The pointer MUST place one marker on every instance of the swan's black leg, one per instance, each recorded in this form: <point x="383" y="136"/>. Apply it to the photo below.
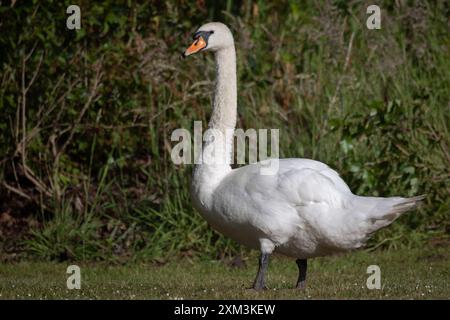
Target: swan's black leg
<point x="302" y="267"/>
<point x="263" y="264"/>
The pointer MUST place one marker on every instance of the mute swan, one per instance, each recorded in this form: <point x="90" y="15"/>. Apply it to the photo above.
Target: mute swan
<point x="305" y="210"/>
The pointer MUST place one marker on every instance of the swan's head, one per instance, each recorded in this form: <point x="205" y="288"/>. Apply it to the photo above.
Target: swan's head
<point x="212" y="36"/>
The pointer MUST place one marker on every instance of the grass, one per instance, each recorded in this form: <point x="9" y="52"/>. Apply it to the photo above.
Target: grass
<point x="405" y="274"/>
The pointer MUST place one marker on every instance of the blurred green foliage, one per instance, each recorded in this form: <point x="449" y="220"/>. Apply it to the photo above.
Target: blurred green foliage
<point x="87" y="115"/>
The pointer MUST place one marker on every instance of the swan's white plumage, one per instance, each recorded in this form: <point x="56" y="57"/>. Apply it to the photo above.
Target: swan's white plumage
<point x="304" y="210"/>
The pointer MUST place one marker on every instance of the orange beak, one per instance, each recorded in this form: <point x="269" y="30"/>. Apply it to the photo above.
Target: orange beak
<point x="195" y="47"/>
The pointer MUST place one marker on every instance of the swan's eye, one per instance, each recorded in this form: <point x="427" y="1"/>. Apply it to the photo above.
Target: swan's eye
<point x="204" y="34"/>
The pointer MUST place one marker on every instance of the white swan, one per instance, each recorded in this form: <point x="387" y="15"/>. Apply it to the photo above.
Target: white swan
<point x="305" y="210"/>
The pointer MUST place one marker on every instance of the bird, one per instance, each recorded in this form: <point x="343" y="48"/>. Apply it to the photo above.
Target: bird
<point x="303" y="210"/>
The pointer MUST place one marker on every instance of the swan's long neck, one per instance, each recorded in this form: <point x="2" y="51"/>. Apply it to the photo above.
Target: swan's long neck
<point x="225" y="95"/>
<point x="216" y="153"/>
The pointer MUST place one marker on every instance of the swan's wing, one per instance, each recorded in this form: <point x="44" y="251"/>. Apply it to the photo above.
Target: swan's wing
<point x="304" y="198"/>
<point x="298" y="182"/>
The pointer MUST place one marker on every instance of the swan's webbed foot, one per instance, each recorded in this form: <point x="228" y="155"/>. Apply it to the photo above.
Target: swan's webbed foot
<point x="302" y="267"/>
<point x="259" y="283"/>
<point x="300" y="285"/>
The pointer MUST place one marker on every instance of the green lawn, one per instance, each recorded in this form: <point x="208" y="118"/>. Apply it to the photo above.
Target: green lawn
<point x="405" y="274"/>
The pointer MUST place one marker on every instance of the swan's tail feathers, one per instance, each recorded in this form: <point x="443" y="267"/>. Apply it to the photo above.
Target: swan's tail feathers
<point x="384" y="211"/>
<point x="407" y="204"/>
